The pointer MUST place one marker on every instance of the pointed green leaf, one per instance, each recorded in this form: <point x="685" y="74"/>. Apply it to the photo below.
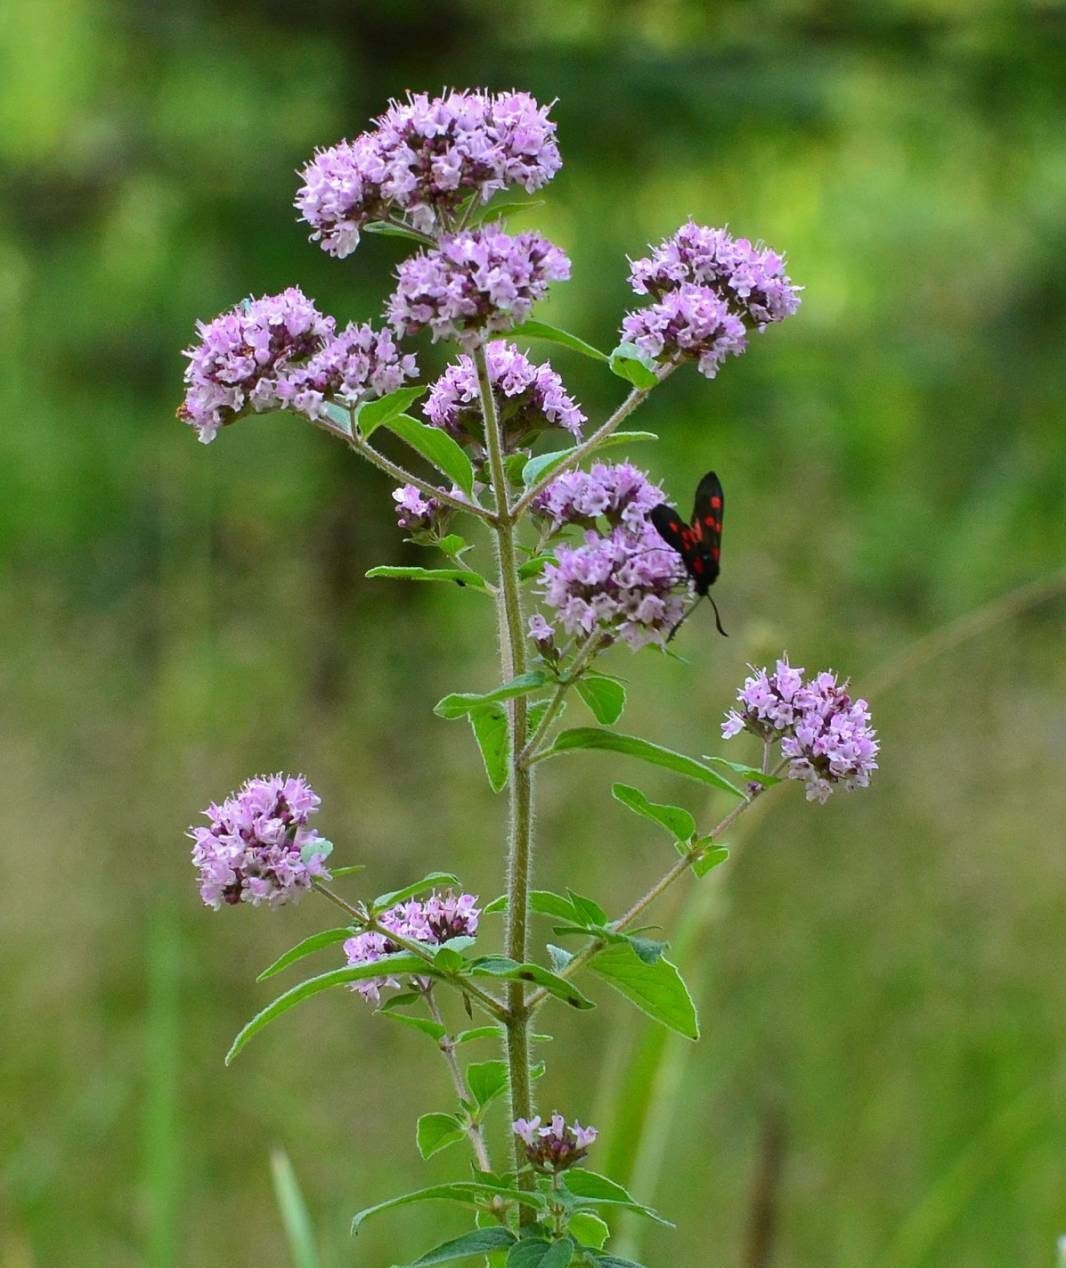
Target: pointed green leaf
<point x="560" y="959"/>
<point x="429" y="881"/>
<point x="543" y="464"/>
<point x="589" y="913"/>
<point x="398" y="572"/>
<point x="373" y="414"/>
<point x="677" y="821"/>
<point x="613" y="1261"/>
<point x="294" y="1216"/>
<point x="427" y="1027"/>
<point x="350" y="870"/>
<point x="591" y="737"/>
<point x="320" y="848"/>
<point x="402" y="962"/>
<point x="467" y="1192"/>
<point x="497" y="905"/>
<point x="487" y="1080"/>
<point x="386" y="230"/>
<point x="459" y="703"/>
<point x="629" y="363"/>
<point x="591" y="1188"/>
<point x="545" y="903"/>
<point x="648" y="949"/>
<point x="478" y="1032"/>
<point x="436" y="1132"/>
<point x="502" y="967"/>
<point x="535" y="1252"/>
<point x="709" y="861"/>
<point x="481" y="1241"/>
<point x="437" y="447"/>
<point x="541" y="330"/>
<point x="535" y="565"/>
<point x="656" y="988"/>
<point x="589" y="1229"/>
<point x="606" y="697"/>
<point x="327" y="938"/>
<point x="503" y="209"/>
<point x="491" y="731"/>
<point x="748" y="772"/>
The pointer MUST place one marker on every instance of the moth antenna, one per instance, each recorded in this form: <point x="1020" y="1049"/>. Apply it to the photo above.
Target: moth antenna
<point x="684" y="618"/>
<point x="717" y="618"/>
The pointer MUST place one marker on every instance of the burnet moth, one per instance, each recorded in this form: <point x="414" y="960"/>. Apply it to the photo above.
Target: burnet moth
<point x="699" y="543"/>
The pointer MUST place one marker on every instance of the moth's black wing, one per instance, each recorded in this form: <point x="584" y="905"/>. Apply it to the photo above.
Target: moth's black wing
<point x="706" y="530"/>
<point x="670" y="527"/>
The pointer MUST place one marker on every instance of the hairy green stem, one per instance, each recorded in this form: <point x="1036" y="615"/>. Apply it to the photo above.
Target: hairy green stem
<point x="446" y="1044"/>
<point x="581" y="663"/>
<point x="520" y="816"/>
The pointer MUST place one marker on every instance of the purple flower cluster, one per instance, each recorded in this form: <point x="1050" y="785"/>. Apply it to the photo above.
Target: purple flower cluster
<point x="619" y="492"/>
<point x="529" y="397"/>
<point x="825" y="735"/>
<point x="707" y="287"/>
<point x="474" y="284"/>
<point x="280" y="352"/>
<point x="415" y="513"/>
<point x="423" y="158"/>
<point x="556" y="1147"/>
<point x="622" y="579"/>
<point x="259" y="848"/>
<point x="433" y="921"/>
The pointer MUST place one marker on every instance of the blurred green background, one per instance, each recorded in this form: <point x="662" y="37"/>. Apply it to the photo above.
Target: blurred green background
<point x="884" y="976"/>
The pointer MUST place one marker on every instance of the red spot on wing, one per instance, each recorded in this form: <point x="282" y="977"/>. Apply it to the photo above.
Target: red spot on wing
<point x="697" y="565"/>
<point x="715" y="553"/>
<point x="716" y="502"/>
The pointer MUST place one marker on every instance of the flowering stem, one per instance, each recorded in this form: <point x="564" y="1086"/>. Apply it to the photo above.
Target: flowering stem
<point x="406" y="477"/>
<point x="447" y="1047"/>
<point x="363" y="920"/>
<point x="592" y="646"/>
<point x="519" y="848"/>
<point x="657" y="890"/>
<point x="635" y="398"/>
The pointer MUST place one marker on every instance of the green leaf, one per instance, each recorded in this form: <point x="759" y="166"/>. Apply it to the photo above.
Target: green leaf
<point x="327" y="938"/>
<point x="338" y="872"/>
<point x="432" y="1028"/>
<point x="468" y="1192"/>
<point x="560" y="959"/>
<point x="400" y="1001"/>
<point x="535" y="715"/>
<point x="591" y="737"/>
<point x="589" y="1187"/>
<point x="612" y="1261"/>
<point x="541" y="330"/>
<point x="492" y="734"/>
<point x="676" y="820"/>
<point x="589" y="1229"/>
<point x="535" y="565"/>
<point x="656" y="989"/>
<point x="320" y="848"/>
<point x="545" y="903"/>
<point x="437" y="447"/>
<point x="648" y="949"/>
<point x="487" y="1080"/>
<point x="503" y="209"/>
<point x="709" y="861"/>
<point x="339" y="415"/>
<point x="452" y="544"/>
<point x="461" y="576"/>
<point x="748" y="772"/>
<point x="606" y="697"/>
<point x="429" y="881"/>
<point x="293" y="1210"/>
<point x="460" y="703"/>
<point x="534" y="1252"/>
<point x="386" y="230"/>
<point x="589" y="913"/>
<point x="543" y="464"/>
<point x="496" y="906"/>
<point x="436" y="1132"/>
<point x="481" y="1241"/>
<point x="402" y="962"/>
<point x="502" y="967"/>
<point x="478" y="1032"/>
<point x="629" y="363"/>
<point x="373" y="414"/>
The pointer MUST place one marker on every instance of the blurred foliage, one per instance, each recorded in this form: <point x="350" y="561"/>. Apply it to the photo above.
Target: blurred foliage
<point x="886" y="973"/>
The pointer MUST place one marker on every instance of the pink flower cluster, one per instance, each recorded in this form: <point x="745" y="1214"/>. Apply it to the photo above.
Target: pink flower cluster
<point x="415" y="513"/>
<point x="557" y="1146"/>
<point x="622" y="580"/>
<point x="433" y="921"/>
<point x="259" y="848"/>
<point x="707" y="288"/>
<point x="422" y="159"/>
<point x="280" y="352"/>
<point x="825" y="735"/>
<point x="529" y="397"/>
<point x="619" y="492"/>
<point x="474" y="284"/>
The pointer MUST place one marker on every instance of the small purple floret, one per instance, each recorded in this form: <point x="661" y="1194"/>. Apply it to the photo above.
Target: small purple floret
<point x="825" y="735"/>
<point x="556" y="1147"/>
<point x="259" y="848"/>
<point x="474" y="284"/>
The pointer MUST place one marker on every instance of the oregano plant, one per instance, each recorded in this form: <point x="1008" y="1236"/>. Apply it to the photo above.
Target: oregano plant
<point x="585" y="560"/>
